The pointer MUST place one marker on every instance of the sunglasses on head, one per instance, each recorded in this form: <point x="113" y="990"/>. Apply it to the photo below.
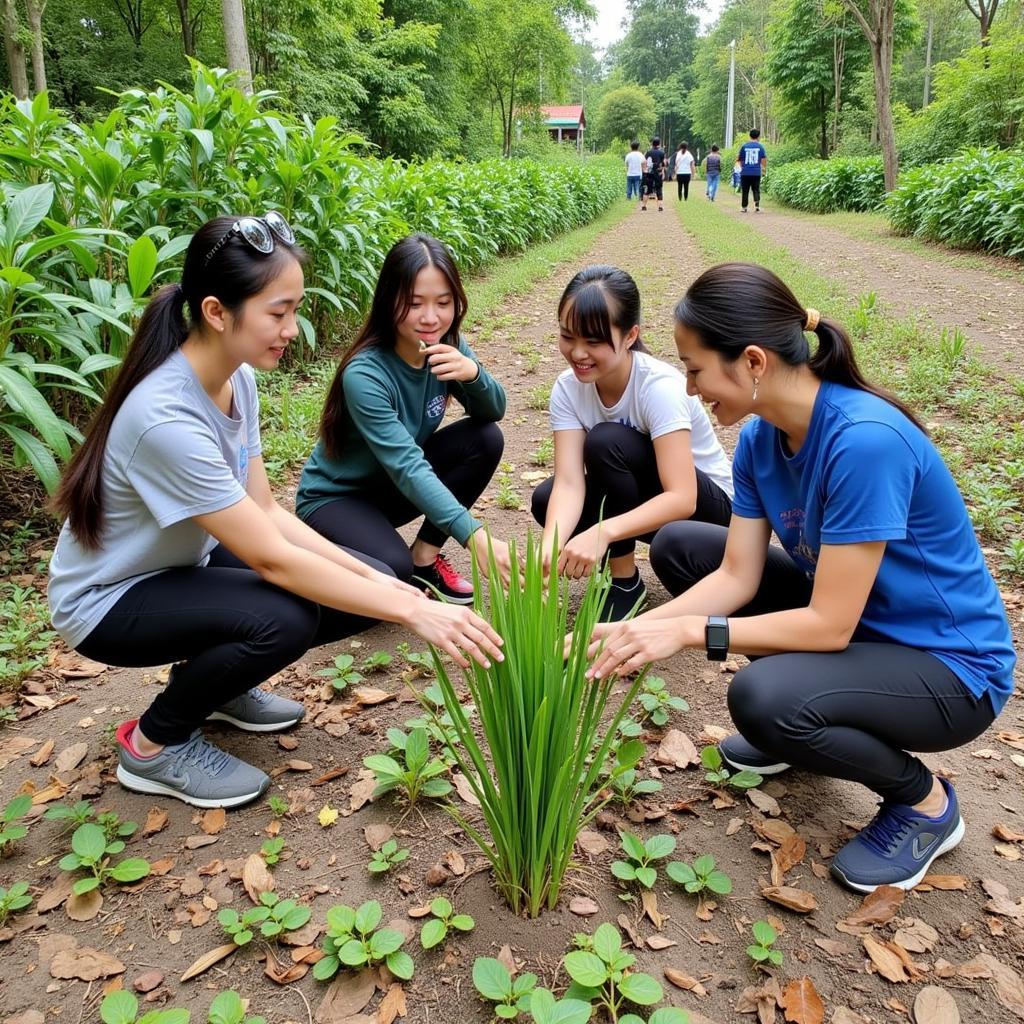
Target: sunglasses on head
<point x="257" y="232"/>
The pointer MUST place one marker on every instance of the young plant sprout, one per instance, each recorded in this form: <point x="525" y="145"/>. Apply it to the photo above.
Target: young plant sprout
<point x="639" y="867"/>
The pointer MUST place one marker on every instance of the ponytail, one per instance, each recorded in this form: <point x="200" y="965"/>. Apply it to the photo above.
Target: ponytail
<point x="233" y="272"/>
<point x="733" y="303"/>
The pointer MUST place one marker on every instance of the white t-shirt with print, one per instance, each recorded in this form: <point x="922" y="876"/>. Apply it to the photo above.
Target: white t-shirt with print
<point x="634" y="163"/>
<point x="684" y="163"/>
<point x="654" y="403"/>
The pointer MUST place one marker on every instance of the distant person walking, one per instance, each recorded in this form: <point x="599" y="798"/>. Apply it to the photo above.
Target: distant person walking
<point x="712" y="173"/>
<point x="753" y="160"/>
<point x="634" y="170"/>
<point x="736" y="169"/>
<point x="684" y="171"/>
<point x="656" y="158"/>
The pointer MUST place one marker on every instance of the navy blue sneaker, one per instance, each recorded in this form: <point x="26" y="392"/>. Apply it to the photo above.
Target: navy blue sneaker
<point x="898" y="847"/>
<point x="740" y="755"/>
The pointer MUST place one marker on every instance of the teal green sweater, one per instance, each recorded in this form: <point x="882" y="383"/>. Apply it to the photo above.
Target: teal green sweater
<point x="391" y="409"/>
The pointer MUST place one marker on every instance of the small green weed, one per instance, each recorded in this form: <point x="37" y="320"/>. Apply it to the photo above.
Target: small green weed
<point x="384" y="859"/>
<point x="274" y="916"/>
<point x="641" y="857"/>
<point x="952" y="347"/>
<point x="376" y="662"/>
<point x="538" y="397"/>
<point x="544" y="453"/>
<point x="718" y="775"/>
<point x="354" y="941"/>
<point x="279" y="807"/>
<point x="25" y="636"/>
<point x="419" y="774"/>
<point x="341" y="673"/>
<point x="508" y="494"/>
<point x="657" y="702"/>
<point x="272" y="849"/>
<point x="13" y="899"/>
<point x="443" y="920"/>
<point x="10" y="833"/>
<point x="91" y="851"/>
<point x="628" y="787"/>
<point x="493" y="981"/>
<point x="760" y="950"/>
<point x="702" y="875"/>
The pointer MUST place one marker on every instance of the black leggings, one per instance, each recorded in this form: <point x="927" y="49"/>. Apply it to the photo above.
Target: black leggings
<point x="850" y="714"/>
<point x="463" y="455"/>
<point x="622" y="471"/>
<point x="229" y="629"/>
<point x="683" y="186"/>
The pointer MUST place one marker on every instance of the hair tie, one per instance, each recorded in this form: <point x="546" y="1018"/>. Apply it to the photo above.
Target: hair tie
<point x="813" y="319"/>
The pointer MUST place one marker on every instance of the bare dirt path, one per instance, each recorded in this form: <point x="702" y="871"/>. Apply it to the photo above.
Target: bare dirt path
<point x="166" y="922"/>
<point x="987" y="303"/>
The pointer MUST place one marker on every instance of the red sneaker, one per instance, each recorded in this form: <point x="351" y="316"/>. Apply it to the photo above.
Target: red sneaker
<point x="443" y="579"/>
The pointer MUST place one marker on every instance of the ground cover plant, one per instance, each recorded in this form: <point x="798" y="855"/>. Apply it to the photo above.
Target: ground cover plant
<point x="545" y="736"/>
<point x="354" y="940"/>
<point x="824" y="186"/>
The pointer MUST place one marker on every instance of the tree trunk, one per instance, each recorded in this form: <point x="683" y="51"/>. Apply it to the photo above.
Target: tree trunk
<point x="236" y="43"/>
<point x="36" y="8"/>
<point x="928" y="60"/>
<point x="188" y="41"/>
<point x="823" y="107"/>
<point x="838" y="64"/>
<point x="15" y="51"/>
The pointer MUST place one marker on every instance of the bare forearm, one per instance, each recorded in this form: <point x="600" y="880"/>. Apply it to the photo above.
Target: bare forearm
<point x="719" y="593"/>
<point x="564" y="508"/>
<point x="795" y="629"/>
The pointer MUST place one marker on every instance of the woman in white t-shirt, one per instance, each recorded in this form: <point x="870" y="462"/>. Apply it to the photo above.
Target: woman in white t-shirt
<point x="627" y="437"/>
<point x="684" y="170"/>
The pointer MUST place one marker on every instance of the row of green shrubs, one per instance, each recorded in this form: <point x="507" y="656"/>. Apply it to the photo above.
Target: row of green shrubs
<point x="94" y="216"/>
<point x="972" y="200"/>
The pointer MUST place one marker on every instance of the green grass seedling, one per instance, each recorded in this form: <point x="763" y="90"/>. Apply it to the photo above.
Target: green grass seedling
<point x="700" y="876"/>
<point x="341" y="674"/>
<point x="91" y="851"/>
<point x="642" y="855"/>
<point x="493" y="982"/>
<point x="13" y="899"/>
<point x="760" y="950"/>
<point x="416" y="777"/>
<point x="82" y="811"/>
<point x="354" y="941"/>
<point x="10" y="832"/>
<point x="718" y="775"/>
<point x="657" y="702"/>
<point x="544" y="453"/>
<point x="443" y="921"/>
<point x="384" y="859"/>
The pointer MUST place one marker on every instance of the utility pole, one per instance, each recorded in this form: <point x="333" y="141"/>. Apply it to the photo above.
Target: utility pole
<point x="729" y="101"/>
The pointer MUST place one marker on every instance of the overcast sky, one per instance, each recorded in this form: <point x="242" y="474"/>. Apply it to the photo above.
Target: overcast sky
<point x="608" y="26"/>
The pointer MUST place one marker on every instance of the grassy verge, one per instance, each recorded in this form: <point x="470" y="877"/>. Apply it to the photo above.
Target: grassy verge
<point x="291" y="401"/>
<point x="974" y="414"/>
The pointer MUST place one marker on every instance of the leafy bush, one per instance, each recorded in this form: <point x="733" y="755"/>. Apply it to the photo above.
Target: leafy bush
<point x="824" y="186"/>
<point x="974" y="200"/>
<point x="540" y="780"/>
<point x="96" y="215"/>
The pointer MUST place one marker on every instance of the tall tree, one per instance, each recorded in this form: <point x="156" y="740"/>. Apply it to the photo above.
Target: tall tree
<point x="36" y="9"/>
<point x="236" y="42"/>
<point x="190" y="19"/>
<point x="15" y="50"/>
<point x="136" y="18"/>
<point x="984" y="12"/>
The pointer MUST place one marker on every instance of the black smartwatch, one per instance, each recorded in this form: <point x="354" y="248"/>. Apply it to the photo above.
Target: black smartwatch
<point x="716" y="637"/>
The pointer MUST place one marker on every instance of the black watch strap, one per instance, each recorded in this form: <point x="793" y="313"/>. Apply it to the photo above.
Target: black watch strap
<point x="716" y="637"/>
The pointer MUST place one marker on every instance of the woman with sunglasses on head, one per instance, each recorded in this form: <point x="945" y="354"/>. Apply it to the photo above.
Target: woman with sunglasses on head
<point x="174" y="548"/>
<point x="877" y="628"/>
<point x="383" y="459"/>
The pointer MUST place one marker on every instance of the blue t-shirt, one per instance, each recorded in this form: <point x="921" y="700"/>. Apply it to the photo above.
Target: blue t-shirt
<point x="866" y="473"/>
<point x="750" y="156"/>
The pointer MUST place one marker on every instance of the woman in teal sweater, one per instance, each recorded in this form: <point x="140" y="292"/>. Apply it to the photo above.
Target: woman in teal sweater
<point x="381" y="460"/>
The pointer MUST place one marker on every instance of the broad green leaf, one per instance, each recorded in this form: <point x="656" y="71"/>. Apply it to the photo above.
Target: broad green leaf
<point x="711" y="758"/>
<point x="640" y="988"/>
<point x="368" y="916"/>
<point x="130" y="870"/>
<point x="623" y="870"/>
<point x="382" y="765"/>
<point x="680" y="872"/>
<point x="386" y="941"/>
<point x="433" y="933"/>
<point x="26" y="210"/>
<point x="436" y="787"/>
<point x="353" y="953"/>
<point x="746" y="779"/>
<point x="720" y="883"/>
<point x="660" y="846"/>
<point x="633" y="846"/>
<point x="172" y="1016"/>
<point x="607" y="942"/>
<point x="586" y="968"/>
<point x="491" y="978"/>
<point x="764" y="932"/>
<point x="227" y="1008"/>
<point x="142" y="258"/>
<point x="506" y="1012"/>
<point x="463" y="922"/>
<point x="441" y="907"/>
<point x="119" y="1008"/>
<point x="630" y="753"/>
<point x="326" y="968"/>
<point x="417" y="750"/>
<point x="669" y="1015"/>
<point x="89" y="842"/>
<point x="647" y="877"/>
<point x="84" y="885"/>
<point x="22" y="395"/>
<point x="296" y="918"/>
<point x="341" y="920"/>
<point x="704" y="865"/>
<point x="401" y="965"/>
<point x="17" y="808"/>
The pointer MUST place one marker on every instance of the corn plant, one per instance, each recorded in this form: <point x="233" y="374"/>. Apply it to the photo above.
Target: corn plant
<point x="416" y="777"/>
<point x="341" y="674"/>
<point x="353" y="940"/>
<point x="639" y="865"/>
<point x="700" y="876"/>
<point x="91" y="851"/>
<point x="384" y="859"/>
<point x="657" y="702"/>
<point x="546" y="734"/>
<point x="760" y="950"/>
<point x="443" y="920"/>
<point x="718" y="774"/>
<point x="10" y="833"/>
<point x="13" y="899"/>
<point x="493" y="981"/>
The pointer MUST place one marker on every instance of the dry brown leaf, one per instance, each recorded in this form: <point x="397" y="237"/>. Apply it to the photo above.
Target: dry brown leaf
<point x="1007" y="983"/>
<point x="213" y="821"/>
<point x="773" y="830"/>
<point x="888" y="963"/>
<point x="592" y="843"/>
<point x="455" y="862"/>
<point x="370" y="695"/>
<point x="628" y="927"/>
<point x="13" y="747"/>
<point x="82" y="668"/>
<point x="935" y="1005"/>
<point x="288" y="742"/>
<point x="256" y="878"/>
<point x="787" y="856"/>
<point x="507" y="960"/>
<point x="57" y="894"/>
<point x="198" y="842"/>
<point x="71" y="757"/>
<point x="878" y="907"/>
<point x="57" y="790"/>
<point x="464" y="789"/>
<point x="284" y="974"/>
<point x="801" y="1003"/>
<point x="156" y="821"/>
<point x="392" y="1005"/>
<point x="42" y="755"/>
<point x="659" y="942"/>
<point x="649" y="900"/>
<point x="84" y="907"/>
<point x="945" y="883"/>
<point x="207" y="960"/>
<point x="1000" y="901"/>
<point x="973" y="970"/>
<point x="85" y="964"/>
<point x="582" y="906"/>
<point x="844" y="1015"/>
<point x="148" y="980"/>
<point x="162" y="866"/>
<point x="361" y="791"/>
<point x="377" y="835"/>
<point x="685" y="982"/>
<point x="764" y="803"/>
<point x="347" y="995"/>
<point x="1011" y="738"/>
<point x="735" y="824"/>
<point x="832" y="947"/>
<point x="676" y="749"/>
<point x="1007" y="834"/>
<point x="293" y="764"/>
<point x="917" y="937"/>
<point x="798" y="900"/>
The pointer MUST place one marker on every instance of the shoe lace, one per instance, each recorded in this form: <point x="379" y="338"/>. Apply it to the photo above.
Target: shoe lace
<point x="258" y="694"/>
<point x="886" y="829"/>
<point x="446" y="571"/>
<point x="203" y="755"/>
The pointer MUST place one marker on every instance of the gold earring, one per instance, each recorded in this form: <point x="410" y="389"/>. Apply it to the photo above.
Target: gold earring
<point x="754" y="396"/>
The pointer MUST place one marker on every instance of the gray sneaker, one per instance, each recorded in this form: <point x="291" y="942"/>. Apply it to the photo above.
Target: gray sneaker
<point x="195" y="771"/>
<point x="259" y="710"/>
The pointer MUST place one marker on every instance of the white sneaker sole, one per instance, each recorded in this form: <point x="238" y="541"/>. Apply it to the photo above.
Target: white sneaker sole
<point x="238" y="723"/>
<point x="953" y="840"/>
<point x="141" y="785"/>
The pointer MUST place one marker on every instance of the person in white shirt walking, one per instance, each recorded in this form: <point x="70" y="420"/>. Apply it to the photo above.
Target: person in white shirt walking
<point x="684" y="170"/>
<point x="634" y="170"/>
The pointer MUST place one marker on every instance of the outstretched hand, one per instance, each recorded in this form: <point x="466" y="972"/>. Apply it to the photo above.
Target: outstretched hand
<point x="456" y="629"/>
<point x="628" y="646"/>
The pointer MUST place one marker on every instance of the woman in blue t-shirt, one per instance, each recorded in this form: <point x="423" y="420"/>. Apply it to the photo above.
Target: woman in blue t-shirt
<point x="877" y="627"/>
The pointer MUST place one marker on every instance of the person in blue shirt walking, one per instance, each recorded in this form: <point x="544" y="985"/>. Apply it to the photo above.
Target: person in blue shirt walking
<point x="876" y="628"/>
<point x="753" y="163"/>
